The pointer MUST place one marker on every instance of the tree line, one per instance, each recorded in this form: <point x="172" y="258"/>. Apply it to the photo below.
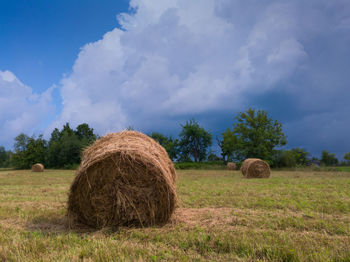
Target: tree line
<point x="63" y="150"/>
<point x="253" y="134"/>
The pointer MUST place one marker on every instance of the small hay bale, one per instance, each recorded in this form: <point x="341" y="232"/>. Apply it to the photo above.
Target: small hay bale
<point x="38" y="167"/>
<point x="124" y="179"/>
<point x="231" y="166"/>
<point x="255" y="168"/>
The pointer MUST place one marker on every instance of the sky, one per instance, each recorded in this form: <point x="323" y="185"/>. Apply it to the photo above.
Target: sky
<point x="153" y="65"/>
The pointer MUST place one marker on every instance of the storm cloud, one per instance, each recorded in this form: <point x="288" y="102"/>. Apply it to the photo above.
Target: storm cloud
<point x="172" y="60"/>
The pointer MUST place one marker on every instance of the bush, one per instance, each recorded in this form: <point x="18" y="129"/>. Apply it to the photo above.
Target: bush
<point x="200" y="165"/>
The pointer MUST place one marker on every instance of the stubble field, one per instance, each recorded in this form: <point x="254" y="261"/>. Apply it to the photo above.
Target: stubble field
<point x="293" y="216"/>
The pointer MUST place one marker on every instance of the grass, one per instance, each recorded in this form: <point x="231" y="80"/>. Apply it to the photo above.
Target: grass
<point x="218" y="165"/>
<point x="344" y="168"/>
<point x="293" y="216"/>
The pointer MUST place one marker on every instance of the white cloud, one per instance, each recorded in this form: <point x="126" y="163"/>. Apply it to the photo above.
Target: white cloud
<point x="174" y="58"/>
<point x="21" y="110"/>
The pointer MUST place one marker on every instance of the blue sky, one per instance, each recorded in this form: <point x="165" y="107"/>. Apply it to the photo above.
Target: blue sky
<point x="40" y="40"/>
<point x="155" y="64"/>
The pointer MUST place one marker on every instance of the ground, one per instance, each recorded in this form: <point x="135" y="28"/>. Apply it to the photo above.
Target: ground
<point x="292" y="216"/>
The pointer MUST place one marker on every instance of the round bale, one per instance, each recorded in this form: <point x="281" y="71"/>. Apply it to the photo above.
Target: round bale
<point x="38" y="167"/>
<point x="255" y="168"/>
<point x="231" y="166"/>
<point x="124" y="179"/>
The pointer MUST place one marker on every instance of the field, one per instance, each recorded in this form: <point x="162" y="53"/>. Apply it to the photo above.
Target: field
<point x="344" y="168"/>
<point x="293" y="216"/>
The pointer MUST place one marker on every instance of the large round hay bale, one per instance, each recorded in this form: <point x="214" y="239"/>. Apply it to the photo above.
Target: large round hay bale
<point x="124" y="179"/>
<point x="231" y="166"/>
<point x="255" y="168"/>
<point x="38" y="167"/>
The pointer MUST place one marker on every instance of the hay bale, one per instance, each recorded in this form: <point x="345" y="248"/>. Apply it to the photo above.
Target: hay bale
<point x="38" y="167"/>
<point x="124" y="179"/>
<point x="231" y="166"/>
<point x="255" y="168"/>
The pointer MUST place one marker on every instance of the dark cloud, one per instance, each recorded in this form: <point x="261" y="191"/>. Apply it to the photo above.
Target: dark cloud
<point x="180" y="59"/>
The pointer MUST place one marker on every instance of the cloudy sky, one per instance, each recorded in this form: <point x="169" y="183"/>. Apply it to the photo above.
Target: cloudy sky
<point x="154" y="64"/>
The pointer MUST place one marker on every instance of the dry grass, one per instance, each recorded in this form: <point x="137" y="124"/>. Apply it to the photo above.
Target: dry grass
<point x="255" y="168"/>
<point x="293" y="216"/>
<point x="38" y="167"/>
<point x="231" y="166"/>
<point x="124" y="179"/>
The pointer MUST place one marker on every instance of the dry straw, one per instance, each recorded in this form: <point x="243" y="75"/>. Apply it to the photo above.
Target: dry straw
<point x="231" y="166"/>
<point x="255" y="168"/>
<point x="38" y="167"/>
<point x="124" y="179"/>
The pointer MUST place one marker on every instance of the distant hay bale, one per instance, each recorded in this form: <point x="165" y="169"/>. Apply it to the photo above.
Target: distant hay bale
<point x="124" y="179"/>
<point x="231" y="166"/>
<point x="38" y="167"/>
<point x="255" y="168"/>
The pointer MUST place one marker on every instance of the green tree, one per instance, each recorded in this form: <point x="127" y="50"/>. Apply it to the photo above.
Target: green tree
<point x="254" y="134"/>
<point x="194" y="141"/>
<point x="290" y="158"/>
<point x="170" y="144"/>
<point x="85" y="134"/>
<point x="28" y="151"/>
<point x="19" y="159"/>
<point x="21" y="142"/>
<point x="4" y="157"/>
<point x="65" y="146"/>
<point x="37" y="150"/>
<point x="284" y="159"/>
<point x="228" y="145"/>
<point x="347" y="157"/>
<point x="328" y="159"/>
<point x="212" y="157"/>
<point x="301" y="156"/>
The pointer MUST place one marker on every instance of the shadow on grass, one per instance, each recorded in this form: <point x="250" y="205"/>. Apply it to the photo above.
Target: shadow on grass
<point x="57" y="224"/>
<point x="185" y="217"/>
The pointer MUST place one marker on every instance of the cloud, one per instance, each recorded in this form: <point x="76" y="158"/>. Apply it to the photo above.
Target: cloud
<point x="321" y="131"/>
<point x="175" y="59"/>
<point x="21" y="110"/>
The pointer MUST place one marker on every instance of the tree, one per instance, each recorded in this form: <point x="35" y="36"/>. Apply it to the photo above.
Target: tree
<point x="290" y="158"/>
<point x="37" y="150"/>
<point x="284" y="159"/>
<point x="65" y="146"/>
<point x="170" y="144"/>
<point x="21" y="142"/>
<point x="194" y="141"/>
<point x="19" y="157"/>
<point x="254" y="135"/>
<point x="85" y="134"/>
<point x="28" y="151"/>
<point x="228" y="145"/>
<point x="212" y="157"/>
<point x="4" y="157"/>
<point x="347" y="157"/>
<point x="328" y="159"/>
<point x="301" y="156"/>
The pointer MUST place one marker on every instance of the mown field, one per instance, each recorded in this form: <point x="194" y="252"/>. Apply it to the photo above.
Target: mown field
<point x="293" y="216"/>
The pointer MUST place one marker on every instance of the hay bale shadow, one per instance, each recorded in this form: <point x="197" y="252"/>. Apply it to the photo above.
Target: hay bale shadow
<point x="54" y="224"/>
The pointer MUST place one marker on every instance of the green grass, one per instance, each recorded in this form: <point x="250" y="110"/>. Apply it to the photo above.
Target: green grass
<point x="218" y="165"/>
<point x="293" y="216"/>
<point x="344" y="168"/>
